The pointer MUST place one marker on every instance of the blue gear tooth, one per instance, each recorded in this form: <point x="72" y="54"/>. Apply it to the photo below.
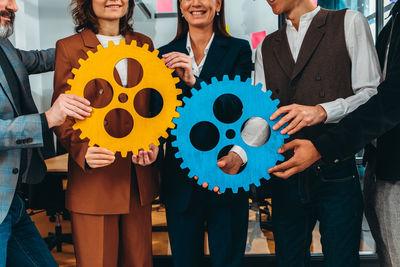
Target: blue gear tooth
<point x="234" y="190"/>
<point x="214" y="80"/>
<point x="174" y="143"/>
<point x="194" y="91"/>
<point x="175" y="121"/>
<point x="179" y="110"/>
<point x="248" y="80"/>
<point x="174" y="132"/>
<point x="225" y="78"/>
<point x="222" y="190"/>
<point x="281" y="158"/>
<point x="246" y="187"/>
<point x="203" y="84"/>
<point x="259" y="86"/>
<point x="269" y="93"/>
<point x="185" y="99"/>
<point x="183" y="165"/>
<point x="203" y="163"/>
<point x="276" y="102"/>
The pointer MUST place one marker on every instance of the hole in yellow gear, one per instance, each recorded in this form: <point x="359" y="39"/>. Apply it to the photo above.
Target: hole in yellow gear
<point x="124" y="64"/>
<point x="123" y="98"/>
<point x="118" y="123"/>
<point x="144" y="96"/>
<point x="99" y="92"/>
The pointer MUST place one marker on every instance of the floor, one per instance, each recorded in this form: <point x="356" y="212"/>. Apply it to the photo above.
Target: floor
<point x="259" y="241"/>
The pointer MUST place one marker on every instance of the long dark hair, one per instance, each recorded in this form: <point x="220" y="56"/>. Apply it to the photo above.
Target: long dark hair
<point x="219" y="24"/>
<point x="84" y="17"/>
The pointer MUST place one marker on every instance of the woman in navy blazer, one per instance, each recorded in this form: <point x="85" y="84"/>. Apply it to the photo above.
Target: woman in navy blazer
<point x="203" y="49"/>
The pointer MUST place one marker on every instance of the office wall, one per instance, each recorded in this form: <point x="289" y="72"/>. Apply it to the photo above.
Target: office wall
<point x="40" y="23"/>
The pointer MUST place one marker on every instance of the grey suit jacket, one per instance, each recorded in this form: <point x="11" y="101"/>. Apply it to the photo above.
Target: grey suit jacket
<point x="23" y="131"/>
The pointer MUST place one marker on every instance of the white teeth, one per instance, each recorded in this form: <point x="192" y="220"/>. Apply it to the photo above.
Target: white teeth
<point x="197" y="13"/>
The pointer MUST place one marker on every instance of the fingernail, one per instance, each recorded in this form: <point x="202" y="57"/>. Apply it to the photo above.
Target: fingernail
<point x="280" y="150"/>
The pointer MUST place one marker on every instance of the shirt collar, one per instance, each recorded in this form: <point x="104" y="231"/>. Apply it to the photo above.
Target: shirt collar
<point x="189" y="45"/>
<point x="305" y="17"/>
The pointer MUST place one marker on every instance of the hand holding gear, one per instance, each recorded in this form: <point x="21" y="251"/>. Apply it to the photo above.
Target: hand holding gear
<point x="145" y="131"/>
<point x="203" y="162"/>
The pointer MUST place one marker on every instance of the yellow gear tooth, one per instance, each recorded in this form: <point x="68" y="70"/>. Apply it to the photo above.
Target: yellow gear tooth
<point x="157" y="143"/>
<point x="179" y="103"/>
<point x="91" y="143"/>
<point x="171" y="70"/>
<point x="145" y="46"/>
<point x="110" y="43"/>
<point x="81" y="61"/>
<point x="95" y="66"/>
<point x="176" y="80"/>
<point x="176" y="114"/>
<point x="122" y="42"/>
<point x="171" y="125"/>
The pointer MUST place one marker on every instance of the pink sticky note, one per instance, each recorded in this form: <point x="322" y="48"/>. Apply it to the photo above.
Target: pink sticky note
<point x="257" y="38"/>
<point x="315" y="2"/>
<point x="165" y="6"/>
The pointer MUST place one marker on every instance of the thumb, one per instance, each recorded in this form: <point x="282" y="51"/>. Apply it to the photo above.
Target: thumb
<point x="289" y="146"/>
<point x="221" y="163"/>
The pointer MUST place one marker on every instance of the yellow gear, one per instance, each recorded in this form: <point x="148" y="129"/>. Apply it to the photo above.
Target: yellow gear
<point x="155" y="75"/>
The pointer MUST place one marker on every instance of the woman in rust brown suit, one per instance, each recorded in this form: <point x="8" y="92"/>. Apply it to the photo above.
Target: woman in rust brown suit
<point x="109" y="196"/>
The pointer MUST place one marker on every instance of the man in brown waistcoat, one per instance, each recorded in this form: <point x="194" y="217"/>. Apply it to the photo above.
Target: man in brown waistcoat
<point x="321" y="65"/>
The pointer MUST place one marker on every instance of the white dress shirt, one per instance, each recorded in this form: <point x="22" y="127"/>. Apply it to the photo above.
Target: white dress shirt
<point x="365" y="69"/>
<point x="198" y="68"/>
<point x="122" y="66"/>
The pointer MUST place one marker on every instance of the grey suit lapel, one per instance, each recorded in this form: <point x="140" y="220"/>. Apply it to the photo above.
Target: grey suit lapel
<point x="4" y="44"/>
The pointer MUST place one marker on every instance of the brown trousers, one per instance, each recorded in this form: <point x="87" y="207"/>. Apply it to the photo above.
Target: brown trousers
<point x="114" y="240"/>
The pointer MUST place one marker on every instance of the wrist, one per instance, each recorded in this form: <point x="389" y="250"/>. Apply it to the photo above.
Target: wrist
<point x="48" y="118"/>
<point x="322" y="113"/>
<point x="192" y="82"/>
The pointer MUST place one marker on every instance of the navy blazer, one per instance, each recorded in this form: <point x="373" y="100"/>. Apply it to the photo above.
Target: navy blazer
<point x="227" y="56"/>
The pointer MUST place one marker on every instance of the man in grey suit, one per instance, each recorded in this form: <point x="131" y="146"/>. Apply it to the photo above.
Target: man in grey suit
<point x="21" y="139"/>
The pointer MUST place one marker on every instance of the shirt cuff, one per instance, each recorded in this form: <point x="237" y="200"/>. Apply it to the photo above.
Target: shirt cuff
<point x="242" y="154"/>
<point x="332" y="110"/>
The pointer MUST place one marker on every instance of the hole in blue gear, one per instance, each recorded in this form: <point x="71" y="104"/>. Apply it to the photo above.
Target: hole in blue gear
<point x="230" y="134"/>
<point x="228" y="108"/>
<point x="224" y="151"/>
<point x="259" y="125"/>
<point x="204" y="136"/>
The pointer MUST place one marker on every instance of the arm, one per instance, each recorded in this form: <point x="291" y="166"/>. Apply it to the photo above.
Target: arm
<point x="365" y="74"/>
<point x="36" y="61"/>
<point x="21" y="132"/>
<point x="68" y="137"/>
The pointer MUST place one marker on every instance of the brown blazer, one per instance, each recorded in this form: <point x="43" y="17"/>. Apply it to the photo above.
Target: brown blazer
<point x="104" y="190"/>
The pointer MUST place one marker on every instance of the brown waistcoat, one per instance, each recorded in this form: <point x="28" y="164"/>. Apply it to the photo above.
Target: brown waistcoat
<point x="322" y="72"/>
<point x="104" y="190"/>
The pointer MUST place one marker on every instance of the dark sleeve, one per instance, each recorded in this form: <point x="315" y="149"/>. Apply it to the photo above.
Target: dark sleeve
<point x="371" y="120"/>
<point x="243" y="64"/>
<point x="38" y="61"/>
<point x="45" y="125"/>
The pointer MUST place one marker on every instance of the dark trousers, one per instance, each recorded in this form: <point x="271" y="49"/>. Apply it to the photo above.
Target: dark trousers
<point x="225" y="221"/>
<point x="331" y="196"/>
<point x="20" y="241"/>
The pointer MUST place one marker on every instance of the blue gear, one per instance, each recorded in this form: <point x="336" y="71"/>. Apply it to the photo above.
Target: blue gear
<point x="203" y="164"/>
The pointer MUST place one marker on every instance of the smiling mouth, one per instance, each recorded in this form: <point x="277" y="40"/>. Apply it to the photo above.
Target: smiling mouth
<point x="113" y="6"/>
<point x="197" y="13"/>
